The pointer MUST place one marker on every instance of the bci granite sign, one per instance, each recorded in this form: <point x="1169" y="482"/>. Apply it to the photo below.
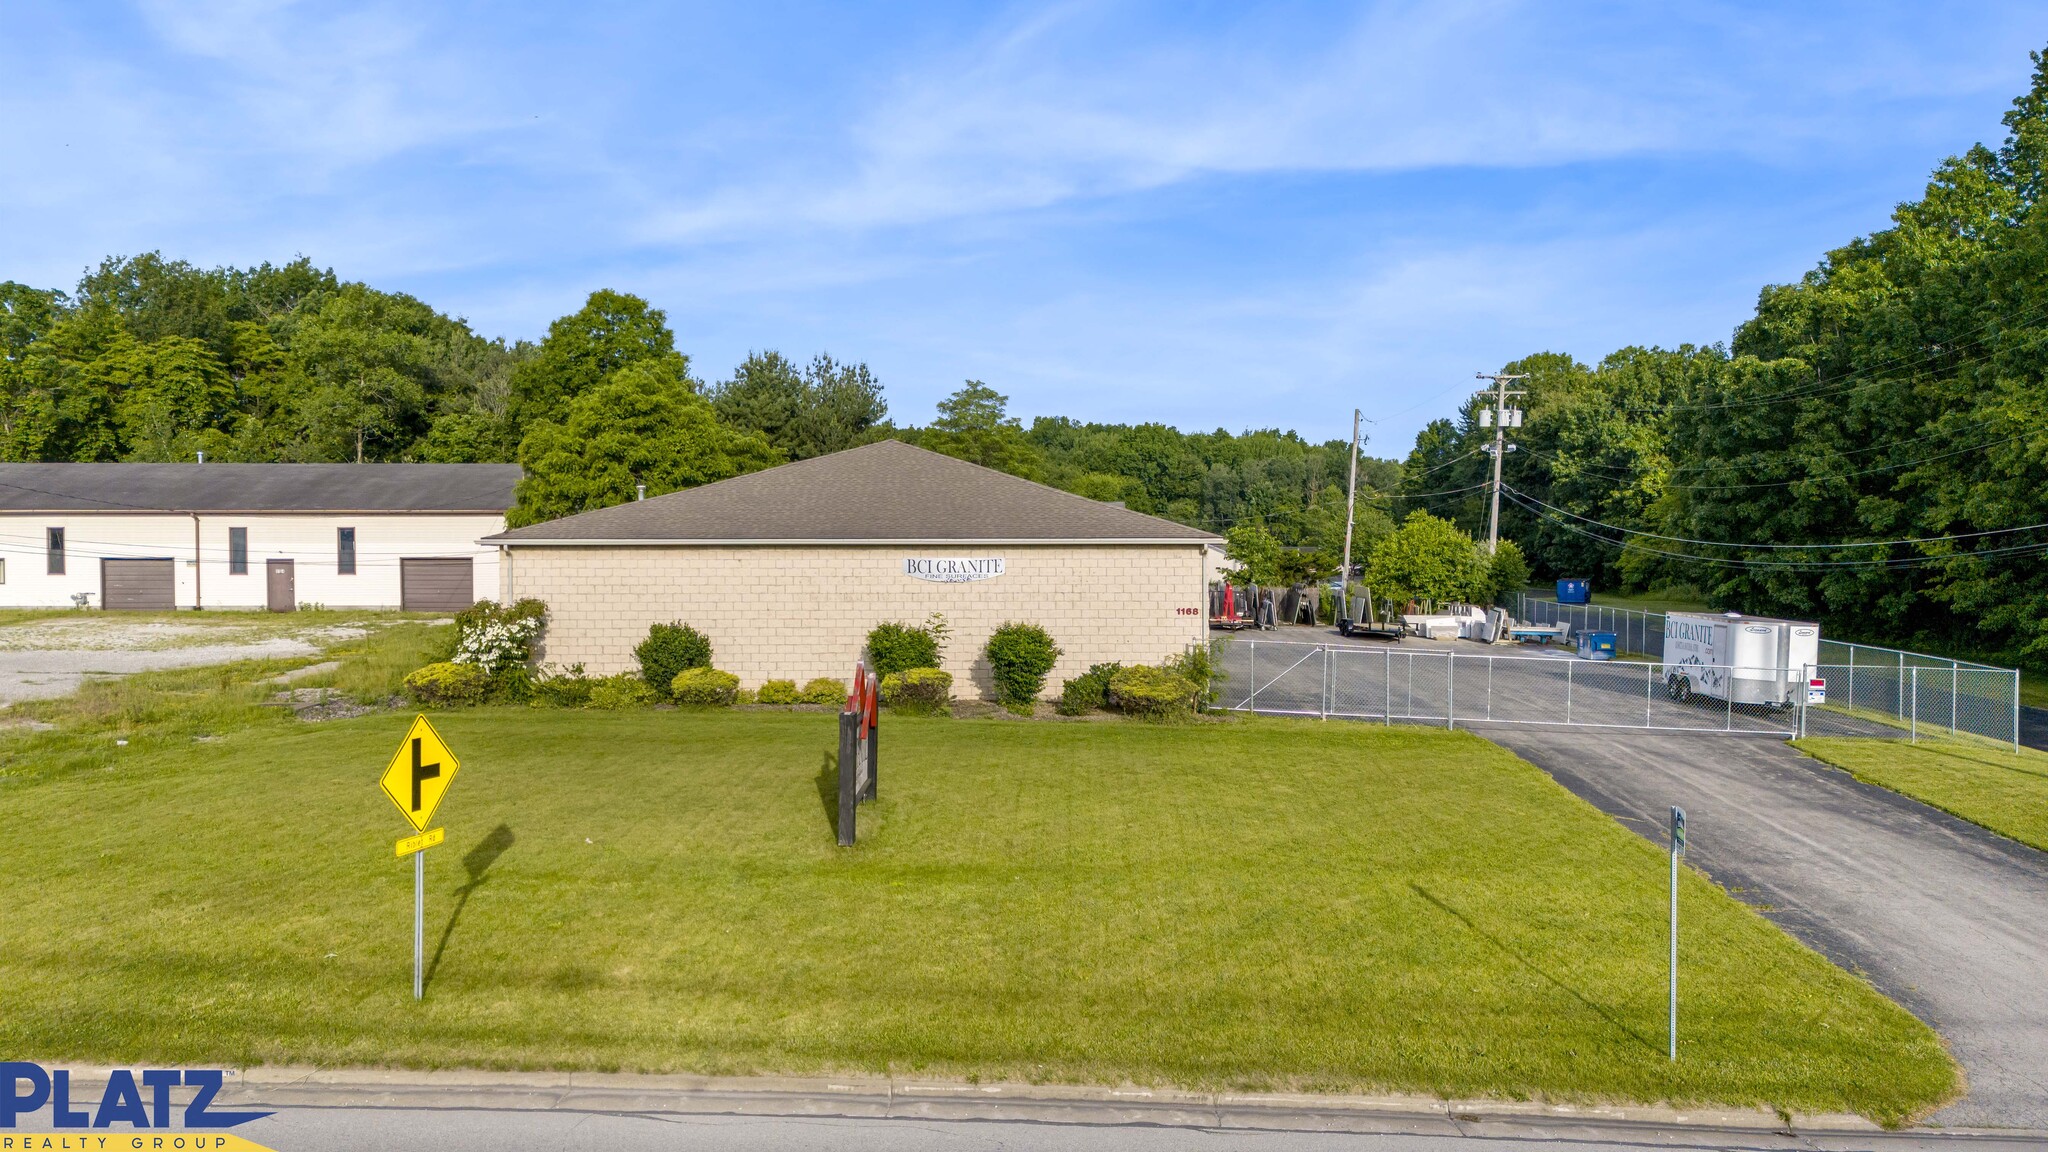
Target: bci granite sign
<point x="952" y="570"/>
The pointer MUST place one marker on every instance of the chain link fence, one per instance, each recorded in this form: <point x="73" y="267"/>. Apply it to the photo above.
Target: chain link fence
<point x="1912" y="691"/>
<point x="1413" y="684"/>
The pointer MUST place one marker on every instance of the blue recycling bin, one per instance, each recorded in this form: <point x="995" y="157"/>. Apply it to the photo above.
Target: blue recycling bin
<point x="1574" y="591"/>
<point x="1596" y="645"/>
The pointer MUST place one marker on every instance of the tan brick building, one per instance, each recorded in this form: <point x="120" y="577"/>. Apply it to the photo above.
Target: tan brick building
<point x="786" y="570"/>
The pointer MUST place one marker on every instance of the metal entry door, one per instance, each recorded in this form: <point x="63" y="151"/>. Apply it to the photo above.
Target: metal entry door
<point x="280" y="586"/>
<point x="139" y="585"/>
<point x="436" y="585"/>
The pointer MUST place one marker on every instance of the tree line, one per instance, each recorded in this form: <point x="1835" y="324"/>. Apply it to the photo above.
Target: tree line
<point x="154" y="359"/>
<point x="1869" y="449"/>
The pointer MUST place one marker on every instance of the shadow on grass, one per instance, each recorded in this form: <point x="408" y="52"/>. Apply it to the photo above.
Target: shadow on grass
<point x="477" y="862"/>
<point x="1983" y="759"/>
<point x="1538" y="969"/>
<point x="828" y="791"/>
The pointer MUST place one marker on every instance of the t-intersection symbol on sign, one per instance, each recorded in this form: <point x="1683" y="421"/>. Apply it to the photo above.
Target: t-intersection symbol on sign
<point x="421" y="773"/>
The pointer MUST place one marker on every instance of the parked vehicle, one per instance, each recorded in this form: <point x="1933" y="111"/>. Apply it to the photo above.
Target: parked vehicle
<point x="1740" y="659"/>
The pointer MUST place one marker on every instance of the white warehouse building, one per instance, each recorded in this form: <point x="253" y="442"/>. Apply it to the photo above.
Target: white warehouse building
<point x="256" y="536"/>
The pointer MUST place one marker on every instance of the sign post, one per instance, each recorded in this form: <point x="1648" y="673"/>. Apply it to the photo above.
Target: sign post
<point x="416" y="779"/>
<point x="1677" y="850"/>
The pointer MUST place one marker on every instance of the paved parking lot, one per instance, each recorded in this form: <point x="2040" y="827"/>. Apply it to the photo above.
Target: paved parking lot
<point x="1940" y="914"/>
<point x="1315" y="672"/>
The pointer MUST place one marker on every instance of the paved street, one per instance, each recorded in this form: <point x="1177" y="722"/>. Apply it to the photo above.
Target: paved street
<point x="1940" y="914"/>
<point x="800" y="1123"/>
<point x="357" y="1130"/>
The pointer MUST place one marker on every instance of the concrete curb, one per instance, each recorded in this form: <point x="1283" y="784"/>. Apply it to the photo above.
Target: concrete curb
<point x="276" y="1087"/>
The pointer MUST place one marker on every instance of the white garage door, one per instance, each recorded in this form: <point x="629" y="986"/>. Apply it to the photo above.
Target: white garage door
<point x="436" y="585"/>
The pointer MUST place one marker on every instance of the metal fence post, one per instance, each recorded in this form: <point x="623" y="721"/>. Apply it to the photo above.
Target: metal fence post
<point x="1325" y="701"/>
<point x="1852" y="677"/>
<point x="1568" y="692"/>
<point x="1900" y="714"/>
<point x="1251" y="703"/>
<point x="1388" y="714"/>
<point x="1953" y="676"/>
<point x="2015" y="711"/>
<point x="1803" y="694"/>
<point x="1728" y="691"/>
<point x="1913" y="732"/>
<point x="1451" y="691"/>
<point x="1649" y="692"/>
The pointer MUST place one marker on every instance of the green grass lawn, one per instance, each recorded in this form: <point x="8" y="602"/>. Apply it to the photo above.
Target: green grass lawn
<point x="2003" y="790"/>
<point x="1250" y="904"/>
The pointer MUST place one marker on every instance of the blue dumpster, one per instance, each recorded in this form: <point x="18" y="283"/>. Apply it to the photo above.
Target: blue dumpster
<point x="1596" y="645"/>
<point x="1574" y="591"/>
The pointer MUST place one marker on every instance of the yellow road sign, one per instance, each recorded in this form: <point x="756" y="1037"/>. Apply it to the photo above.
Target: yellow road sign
<point x="420" y="773"/>
<point x="421" y="842"/>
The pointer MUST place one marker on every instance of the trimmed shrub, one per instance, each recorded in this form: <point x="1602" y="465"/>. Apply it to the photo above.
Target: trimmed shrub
<point x="1198" y="667"/>
<point x="512" y="685"/>
<point x="1087" y="692"/>
<point x="1155" y="692"/>
<point x="563" y="688"/>
<point x="622" y="691"/>
<point x="448" y="683"/>
<point x="778" y="692"/>
<point x="918" y="691"/>
<point x="894" y="647"/>
<point x="1020" y="655"/>
<point x="825" y="690"/>
<point x="705" y="686"/>
<point x="668" y="650"/>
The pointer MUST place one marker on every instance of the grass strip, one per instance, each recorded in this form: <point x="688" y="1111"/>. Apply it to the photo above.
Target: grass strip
<point x="2002" y="790"/>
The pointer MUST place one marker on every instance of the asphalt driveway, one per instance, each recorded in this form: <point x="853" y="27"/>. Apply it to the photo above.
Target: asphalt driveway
<point x="2034" y="727"/>
<point x="1943" y="916"/>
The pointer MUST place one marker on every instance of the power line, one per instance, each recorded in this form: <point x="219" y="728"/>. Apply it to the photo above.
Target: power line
<point x="1820" y="479"/>
<point x="1791" y="565"/>
<point x="1725" y="544"/>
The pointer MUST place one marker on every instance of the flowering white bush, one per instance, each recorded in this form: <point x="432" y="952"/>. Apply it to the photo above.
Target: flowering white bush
<point x="494" y="638"/>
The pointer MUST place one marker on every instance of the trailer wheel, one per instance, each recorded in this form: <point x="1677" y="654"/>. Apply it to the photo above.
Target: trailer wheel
<point x="1684" y="693"/>
<point x="1671" y="685"/>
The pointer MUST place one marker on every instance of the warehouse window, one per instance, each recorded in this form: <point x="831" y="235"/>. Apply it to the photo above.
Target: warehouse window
<point x="238" y="551"/>
<point x="54" y="538"/>
<point x="345" y="551"/>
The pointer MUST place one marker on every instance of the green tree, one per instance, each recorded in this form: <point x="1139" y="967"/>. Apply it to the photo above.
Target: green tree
<point x="1427" y="558"/>
<point x="1254" y="554"/>
<point x="611" y="330"/>
<point x="1507" y="570"/>
<point x="826" y="407"/>
<point x="974" y="424"/>
<point x="172" y="393"/>
<point x="644" y="424"/>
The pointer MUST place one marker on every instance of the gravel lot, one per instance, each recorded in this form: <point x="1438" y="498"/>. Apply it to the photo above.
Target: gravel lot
<point x="46" y="658"/>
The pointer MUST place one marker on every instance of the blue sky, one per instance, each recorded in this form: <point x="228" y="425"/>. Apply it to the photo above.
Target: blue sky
<point x="1206" y="214"/>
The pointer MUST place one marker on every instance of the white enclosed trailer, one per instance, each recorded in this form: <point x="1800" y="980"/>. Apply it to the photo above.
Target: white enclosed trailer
<point x="1740" y="659"/>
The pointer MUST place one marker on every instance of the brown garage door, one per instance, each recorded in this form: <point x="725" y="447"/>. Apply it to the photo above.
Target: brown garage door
<point x="144" y="585"/>
<point x="436" y="585"/>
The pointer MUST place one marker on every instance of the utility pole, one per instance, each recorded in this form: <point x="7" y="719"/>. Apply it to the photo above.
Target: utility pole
<point x="1350" y="510"/>
<point x="1501" y="418"/>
